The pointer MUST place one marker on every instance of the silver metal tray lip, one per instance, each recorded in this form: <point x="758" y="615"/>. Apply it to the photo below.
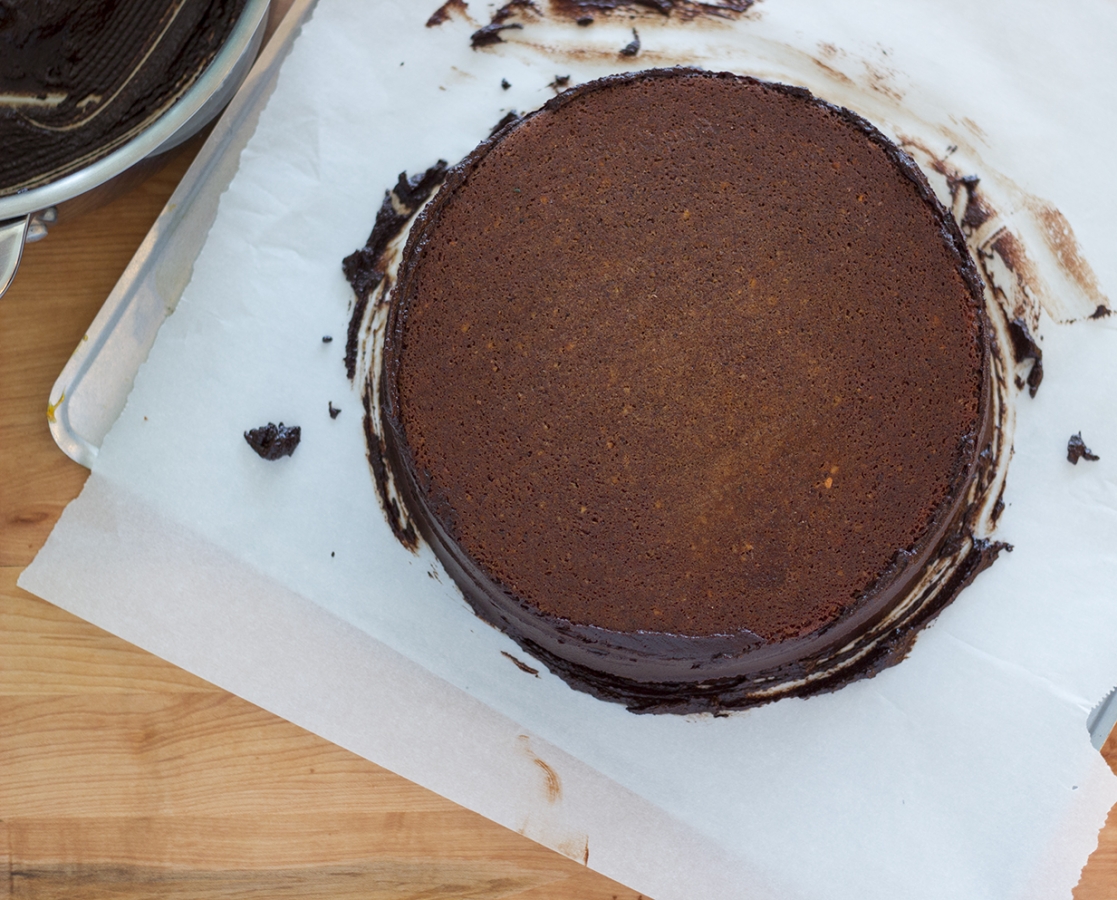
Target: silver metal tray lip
<point x="166" y="131"/>
<point x="138" y="298"/>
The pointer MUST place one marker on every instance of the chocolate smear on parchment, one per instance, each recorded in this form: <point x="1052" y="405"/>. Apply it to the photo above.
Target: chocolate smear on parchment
<point x="364" y="268"/>
<point x="443" y="12"/>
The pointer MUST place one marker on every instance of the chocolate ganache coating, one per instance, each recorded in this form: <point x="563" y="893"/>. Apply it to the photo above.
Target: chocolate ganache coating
<point x="686" y="380"/>
<point x="79" y="78"/>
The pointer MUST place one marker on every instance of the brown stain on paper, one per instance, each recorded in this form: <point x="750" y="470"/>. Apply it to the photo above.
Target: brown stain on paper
<point x="448" y="10"/>
<point x="1060" y="239"/>
<point x="552" y="784"/>
<point x="882" y="81"/>
<point x="829" y="53"/>
<point x="976" y="129"/>
<point x="542" y="828"/>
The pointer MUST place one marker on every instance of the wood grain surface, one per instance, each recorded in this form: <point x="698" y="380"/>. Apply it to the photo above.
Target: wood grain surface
<point x="123" y="776"/>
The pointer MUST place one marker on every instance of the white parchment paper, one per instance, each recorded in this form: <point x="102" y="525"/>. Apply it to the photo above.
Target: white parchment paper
<point x="964" y="772"/>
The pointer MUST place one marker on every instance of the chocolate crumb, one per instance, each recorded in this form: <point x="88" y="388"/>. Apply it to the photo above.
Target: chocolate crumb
<point x="331" y="554"/>
<point x="584" y="21"/>
<point x="1024" y="347"/>
<point x="1077" y="449"/>
<point x="522" y="666"/>
<point x="560" y="81"/>
<point x="633" y="46"/>
<point x="272" y="441"/>
<point x="1101" y="312"/>
<point x="334" y="411"/>
<point x="326" y="338"/>
<point x="505" y="83"/>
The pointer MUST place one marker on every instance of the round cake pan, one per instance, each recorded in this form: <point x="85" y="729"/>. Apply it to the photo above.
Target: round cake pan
<point x="25" y="216"/>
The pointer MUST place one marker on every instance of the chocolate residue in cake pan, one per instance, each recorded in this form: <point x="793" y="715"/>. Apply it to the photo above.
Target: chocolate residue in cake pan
<point x="364" y="268"/>
<point x="80" y="78"/>
<point x="1077" y="449"/>
<point x="273" y="441"/>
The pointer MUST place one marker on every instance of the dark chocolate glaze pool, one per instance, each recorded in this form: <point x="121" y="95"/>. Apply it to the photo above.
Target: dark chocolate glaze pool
<point x="687" y="382"/>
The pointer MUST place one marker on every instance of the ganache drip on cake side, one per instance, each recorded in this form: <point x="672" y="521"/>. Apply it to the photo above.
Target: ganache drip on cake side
<point x="686" y="380"/>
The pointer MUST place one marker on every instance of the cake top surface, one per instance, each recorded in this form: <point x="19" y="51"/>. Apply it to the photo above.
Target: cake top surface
<point x="688" y="353"/>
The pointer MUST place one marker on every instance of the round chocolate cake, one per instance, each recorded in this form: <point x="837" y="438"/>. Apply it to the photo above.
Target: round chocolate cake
<point x="686" y="382"/>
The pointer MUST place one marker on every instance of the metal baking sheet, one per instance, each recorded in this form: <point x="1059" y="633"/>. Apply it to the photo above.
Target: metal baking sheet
<point x="93" y="387"/>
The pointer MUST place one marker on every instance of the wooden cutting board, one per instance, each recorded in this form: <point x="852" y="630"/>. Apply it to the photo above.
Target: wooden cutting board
<point x="124" y="776"/>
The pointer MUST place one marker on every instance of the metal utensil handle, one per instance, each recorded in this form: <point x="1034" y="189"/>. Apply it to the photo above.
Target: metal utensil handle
<point x="13" y="232"/>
